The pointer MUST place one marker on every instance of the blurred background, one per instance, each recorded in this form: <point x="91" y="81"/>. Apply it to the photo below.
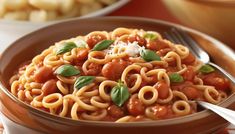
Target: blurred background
<point x="214" y="17"/>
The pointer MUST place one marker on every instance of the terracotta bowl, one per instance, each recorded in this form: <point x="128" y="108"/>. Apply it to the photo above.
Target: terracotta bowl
<point x="19" y="118"/>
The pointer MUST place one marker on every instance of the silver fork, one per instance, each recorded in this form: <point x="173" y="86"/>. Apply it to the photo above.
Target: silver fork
<point x="179" y="36"/>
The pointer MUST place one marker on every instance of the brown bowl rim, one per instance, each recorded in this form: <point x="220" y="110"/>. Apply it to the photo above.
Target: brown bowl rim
<point x="63" y="120"/>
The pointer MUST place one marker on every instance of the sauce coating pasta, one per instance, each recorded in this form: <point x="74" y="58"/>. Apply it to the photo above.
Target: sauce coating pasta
<point x="124" y="75"/>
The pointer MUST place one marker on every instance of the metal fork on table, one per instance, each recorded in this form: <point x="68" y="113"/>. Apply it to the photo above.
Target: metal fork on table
<point x="179" y="36"/>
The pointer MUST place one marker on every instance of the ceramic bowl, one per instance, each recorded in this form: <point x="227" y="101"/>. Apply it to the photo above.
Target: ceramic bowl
<point x="21" y="118"/>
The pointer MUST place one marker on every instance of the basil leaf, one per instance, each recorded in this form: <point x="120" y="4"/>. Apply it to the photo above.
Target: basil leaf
<point x="119" y="94"/>
<point x="67" y="70"/>
<point x="206" y="69"/>
<point x="66" y="47"/>
<point x="149" y="55"/>
<point x="83" y="81"/>
<point x="102" y="45"/>
<point x="174" y="77"/>
<point x="150" y="36"/>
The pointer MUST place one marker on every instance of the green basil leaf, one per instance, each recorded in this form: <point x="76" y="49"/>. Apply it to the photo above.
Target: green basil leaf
<point x="149" y="55"/>
<point x="102" y="45"/>
<point x="119" y="94"/>
<point x="206" y="69"/>
<point x="83" y="81"/>
<point x="67" y="70"/>
<point x="150" y="36"/>
<point x="66" y="47"/>
<point x="174" y="77"/>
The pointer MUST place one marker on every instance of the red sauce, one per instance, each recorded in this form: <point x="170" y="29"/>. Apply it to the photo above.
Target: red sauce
<point x="93" y="69"/>
<point x="135" y="106"/>
<point x="93" y="40"/>
<point x="43" y="74"/>
<point x="113" y="70"/>
<point x="216" y="80"/>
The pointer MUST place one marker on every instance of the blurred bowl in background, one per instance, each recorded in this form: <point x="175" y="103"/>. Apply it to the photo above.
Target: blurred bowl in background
<point x="12" y="30"/>
<point x="214" y="17"/>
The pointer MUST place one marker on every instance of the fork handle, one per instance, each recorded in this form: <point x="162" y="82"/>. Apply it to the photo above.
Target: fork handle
<point x="223" y="71"/>
<point x="227" y="114"/>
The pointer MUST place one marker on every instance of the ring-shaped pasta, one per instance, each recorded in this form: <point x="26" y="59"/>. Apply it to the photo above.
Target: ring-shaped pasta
<point x="65" y="108"/>
<point x="198" y="80"/>
<point x="179" y="95"/>
<point x="136" y="60"/>
<point x="28" y="95"/>
<point x="91" y="93"/>
<point x="162" y="63"/>
<point x="208" y="95"/>
<point x="166" y="100"/>
<point x="98" y="33"/>
<point x="182" y="51"/>
<point x="108" y="83"/>
<point x="93" y="54"/>
<point x="51" y="97"/>
<point x="52" y="60"/>
<point x="181" y="107"/>
<point x="62" y="87"/>
<point x="183" y="70"/>
<point x="29" y="73"/>
<point x="35" y="85"/>
<point x="67" y="80"/>
<point x="137" y="83"/>
<point x="38" y="59"/>
<point x="118" y="32"/>
<point x="14" y="87"/>
<point x="99" y="79"/>
<point x="162" y="76"/>
<point x="74" y="110"/>
<point x="70" y="56"/>
<point x="127" y="70"/>
<point x="143" y="74"/>
<point x="83" y="89"/>
<point x="36" y="92"/>
<point x="146" y="89"/>
<point x="21" y="95"/>
<point x="147" y="65"/>
<point x="97" y="102"/>
<point x="94" y="116"/>
<point x="81" y="104"/>
<point x="37" y="101"/>
<point x="171" y="56"/>
<point x="124" y="119"/>
<point x="202" y="87"/>
<point x="122" y="38"/>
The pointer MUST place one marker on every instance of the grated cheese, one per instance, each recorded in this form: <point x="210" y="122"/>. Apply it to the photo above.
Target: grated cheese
<point x="132" y="49"/>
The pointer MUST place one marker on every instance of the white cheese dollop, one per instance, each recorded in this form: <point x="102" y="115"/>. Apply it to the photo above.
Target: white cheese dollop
<point x="133" y="49"/>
